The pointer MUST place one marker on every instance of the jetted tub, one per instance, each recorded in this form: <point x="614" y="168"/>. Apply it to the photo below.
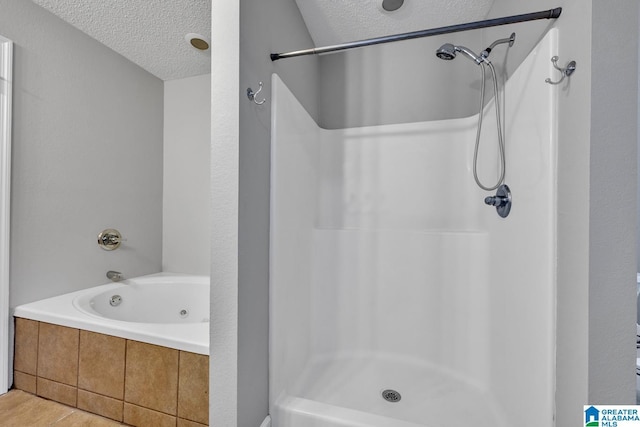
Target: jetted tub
<point x="166" y="309"/>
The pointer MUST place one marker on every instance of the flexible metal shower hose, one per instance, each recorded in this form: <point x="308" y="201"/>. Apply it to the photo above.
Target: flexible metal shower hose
<point x="499" y="125"/>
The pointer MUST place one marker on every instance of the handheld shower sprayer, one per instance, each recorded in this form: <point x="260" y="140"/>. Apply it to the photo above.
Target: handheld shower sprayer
<point x="448" y="52"/>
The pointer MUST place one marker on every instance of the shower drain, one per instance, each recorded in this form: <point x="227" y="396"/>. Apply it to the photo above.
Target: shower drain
<point x="391" y="395"/>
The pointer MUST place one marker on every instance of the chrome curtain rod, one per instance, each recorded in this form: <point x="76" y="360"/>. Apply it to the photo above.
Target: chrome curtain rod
<point x="545" y="14"/>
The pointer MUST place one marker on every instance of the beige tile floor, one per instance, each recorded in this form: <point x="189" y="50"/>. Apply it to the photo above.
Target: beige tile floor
<point x="20" y="409"/>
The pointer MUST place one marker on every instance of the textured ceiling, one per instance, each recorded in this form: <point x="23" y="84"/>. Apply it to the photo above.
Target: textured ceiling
<point x="150" y="33"/>
<point x="339" y="21"/>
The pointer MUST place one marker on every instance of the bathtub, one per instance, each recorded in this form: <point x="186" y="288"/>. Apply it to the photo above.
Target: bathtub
<point x="165" y="309"/>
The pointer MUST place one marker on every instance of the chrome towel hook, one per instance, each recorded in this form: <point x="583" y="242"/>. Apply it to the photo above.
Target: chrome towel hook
<point x="566" y="71"/>
<point x="252" y="95"/>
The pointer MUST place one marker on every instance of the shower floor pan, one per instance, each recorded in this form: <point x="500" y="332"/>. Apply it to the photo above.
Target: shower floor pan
<point x="347" y="392"/>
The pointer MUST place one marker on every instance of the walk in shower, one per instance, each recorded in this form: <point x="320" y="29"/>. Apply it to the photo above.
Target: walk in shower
<point x="397" y="297"/>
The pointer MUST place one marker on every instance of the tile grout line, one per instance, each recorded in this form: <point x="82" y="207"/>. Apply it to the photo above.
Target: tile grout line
<point x="178" y="388"/>
<point x="79" y="388"/>
<point x="99" y="394"/>
<point x="75" y="404"/>
<point x="136" y="404"/>
<point x="157" y="411"/>
<point x="124" y="380"/>
<point x="190" y="416"/>
<point x="78" y="367"/>
<point x="31" y="404"/>
<point x="37" y="372"/>
<point x="37" y="356"/>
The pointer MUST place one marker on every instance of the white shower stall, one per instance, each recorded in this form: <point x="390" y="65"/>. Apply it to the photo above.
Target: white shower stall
<point x="390" y="277"/>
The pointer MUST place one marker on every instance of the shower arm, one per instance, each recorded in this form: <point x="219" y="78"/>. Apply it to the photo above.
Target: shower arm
<point x="545" y="14"/>
<point x="511" y="39"/>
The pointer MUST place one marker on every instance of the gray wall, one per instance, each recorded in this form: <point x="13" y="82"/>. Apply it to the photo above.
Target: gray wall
<point x="613" y="176"/>
<point x="87" y="155"/>
<point x="186" y="186"/>
<point x="265" y="27"/>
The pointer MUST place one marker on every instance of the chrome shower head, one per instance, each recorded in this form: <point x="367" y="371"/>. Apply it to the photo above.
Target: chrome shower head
<point x="448" y="52"/>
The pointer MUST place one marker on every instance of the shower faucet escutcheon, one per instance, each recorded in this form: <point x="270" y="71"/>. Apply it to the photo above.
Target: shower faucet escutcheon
<point x="110" y="239"/>
<point x="502" y="200"/>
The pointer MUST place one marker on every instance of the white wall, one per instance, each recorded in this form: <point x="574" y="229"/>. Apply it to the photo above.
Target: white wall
<point x="87" y="155"/>
<point x="186" y="175"/>
<point x="294" y="192"/>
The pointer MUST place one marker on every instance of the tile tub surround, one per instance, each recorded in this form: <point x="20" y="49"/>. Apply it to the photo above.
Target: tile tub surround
<point x="124" y="380"/>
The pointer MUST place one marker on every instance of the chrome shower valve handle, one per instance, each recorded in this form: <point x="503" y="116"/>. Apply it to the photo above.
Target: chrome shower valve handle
<point x="110" y="239"/>
<point x="502" y="200"/>
<point x="496" y="201"/>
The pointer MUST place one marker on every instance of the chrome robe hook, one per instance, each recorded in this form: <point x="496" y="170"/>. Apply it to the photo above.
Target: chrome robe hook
<point x="252" y="95"/>
<point x="566" y="71"/>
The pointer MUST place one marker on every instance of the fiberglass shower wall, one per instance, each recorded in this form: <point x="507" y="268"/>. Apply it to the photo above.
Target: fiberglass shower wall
<point x="389" y="272"/>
